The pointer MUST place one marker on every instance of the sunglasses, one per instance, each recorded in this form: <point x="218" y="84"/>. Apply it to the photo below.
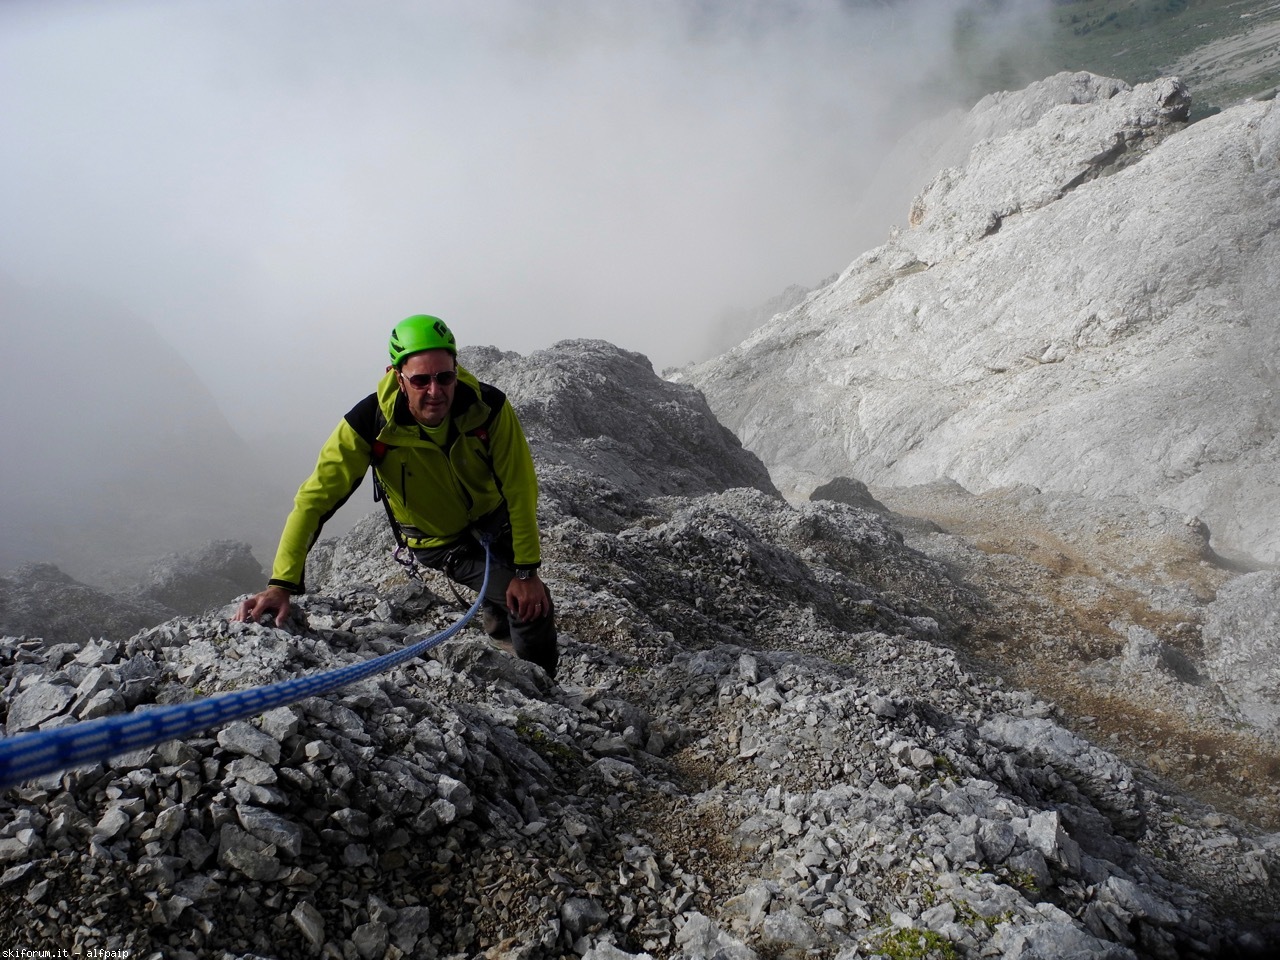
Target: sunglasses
<point x="446" y="378"/>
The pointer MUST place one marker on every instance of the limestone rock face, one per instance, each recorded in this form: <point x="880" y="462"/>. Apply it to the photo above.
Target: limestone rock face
<point x="1086" y="302"/>
<point x="590" y="408"/>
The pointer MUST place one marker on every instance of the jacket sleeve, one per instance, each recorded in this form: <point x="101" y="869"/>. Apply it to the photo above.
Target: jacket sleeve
<point x="513" y="468"/>
<point x="341" y="466"/>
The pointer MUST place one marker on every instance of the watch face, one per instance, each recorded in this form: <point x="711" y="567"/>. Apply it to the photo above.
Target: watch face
<point x="524" y="574"/>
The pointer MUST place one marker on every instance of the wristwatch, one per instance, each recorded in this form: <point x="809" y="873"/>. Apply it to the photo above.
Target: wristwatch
<point x="527" y="573"/>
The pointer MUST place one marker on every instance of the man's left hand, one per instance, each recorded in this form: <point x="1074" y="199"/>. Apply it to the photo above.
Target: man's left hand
<point x="528" y="599"/>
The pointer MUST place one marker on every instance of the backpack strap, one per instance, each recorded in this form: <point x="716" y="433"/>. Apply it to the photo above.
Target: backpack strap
<point x="367" y="419"/>
<point x="494" y="399"/>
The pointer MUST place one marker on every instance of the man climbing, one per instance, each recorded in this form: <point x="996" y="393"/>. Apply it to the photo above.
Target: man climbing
<point x="452" y="463"/>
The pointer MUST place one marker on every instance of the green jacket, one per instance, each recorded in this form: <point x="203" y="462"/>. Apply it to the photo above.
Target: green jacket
<point x="434" y="492"/>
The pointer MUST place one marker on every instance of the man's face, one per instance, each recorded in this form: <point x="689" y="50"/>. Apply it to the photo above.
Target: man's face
<point x="430" y="402"/>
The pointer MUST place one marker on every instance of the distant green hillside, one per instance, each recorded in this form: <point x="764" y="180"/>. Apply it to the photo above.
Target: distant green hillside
<point x="1225" y="50"/>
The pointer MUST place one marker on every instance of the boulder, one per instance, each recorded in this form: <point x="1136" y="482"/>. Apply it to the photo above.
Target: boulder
<point x="1242" y="646"/>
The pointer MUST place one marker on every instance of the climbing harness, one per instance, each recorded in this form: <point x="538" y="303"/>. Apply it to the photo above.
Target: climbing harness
<point x="29" y="755"/>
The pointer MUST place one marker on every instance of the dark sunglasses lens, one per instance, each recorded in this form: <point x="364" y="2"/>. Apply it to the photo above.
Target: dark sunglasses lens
<point x="423" y="380"/>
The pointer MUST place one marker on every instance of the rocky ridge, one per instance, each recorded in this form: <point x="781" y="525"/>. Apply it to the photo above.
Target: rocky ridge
<point x="40" y="600"/>
<point x="1083" y="302"/>
<point x="592" y="409"/>
<point x="206" y="576"/>
<point x="766" y="741"/>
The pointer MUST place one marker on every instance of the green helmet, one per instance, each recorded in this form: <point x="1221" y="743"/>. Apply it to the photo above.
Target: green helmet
<point x="420" y="332"/>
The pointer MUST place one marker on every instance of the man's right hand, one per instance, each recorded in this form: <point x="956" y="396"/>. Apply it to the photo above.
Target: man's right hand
<point x="271" y="600"/>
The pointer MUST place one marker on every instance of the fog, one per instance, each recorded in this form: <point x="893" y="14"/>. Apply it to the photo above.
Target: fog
<point x="271" y="186"/>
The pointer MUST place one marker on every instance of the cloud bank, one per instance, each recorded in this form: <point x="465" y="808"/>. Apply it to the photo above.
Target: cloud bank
<point x="271" y="186"/>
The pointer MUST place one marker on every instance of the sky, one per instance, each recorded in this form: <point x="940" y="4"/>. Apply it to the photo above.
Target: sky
<point x="212" y="213"/>
<point x="272" y="184"/>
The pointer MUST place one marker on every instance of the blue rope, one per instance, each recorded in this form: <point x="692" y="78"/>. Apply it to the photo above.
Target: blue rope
<point x="34" y="754"/>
